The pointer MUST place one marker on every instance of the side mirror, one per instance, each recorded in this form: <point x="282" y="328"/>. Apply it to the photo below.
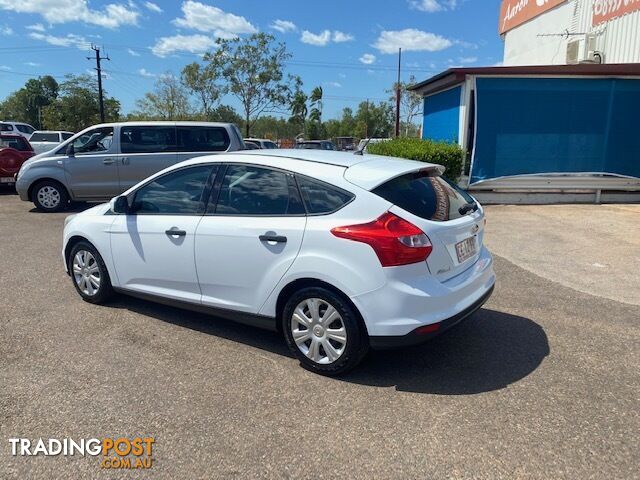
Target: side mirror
<point x="70" y="151"/>
<point x="120" y="204"/>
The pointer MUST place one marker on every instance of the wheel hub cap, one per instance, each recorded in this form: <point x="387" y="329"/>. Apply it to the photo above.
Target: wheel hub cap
<point x="49" y="197"/>
<point x="318" y="331"/>
<point x="86" y="272"/>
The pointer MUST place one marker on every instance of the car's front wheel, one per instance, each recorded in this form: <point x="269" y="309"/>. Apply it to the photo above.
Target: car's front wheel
<point x="323" y="331"/>
<point x="50" y="196"/>
<point x="89" y="273"/>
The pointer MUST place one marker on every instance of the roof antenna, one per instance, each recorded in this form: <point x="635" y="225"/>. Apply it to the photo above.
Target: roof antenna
<point x="361" y="151"/>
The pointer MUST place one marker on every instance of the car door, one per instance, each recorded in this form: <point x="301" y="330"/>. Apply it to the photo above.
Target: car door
<point x="152" y="246"/>
<point x="144" y="150"/>
<point x="249" y="238"/>
<point x="198" y="140"/>
<point x="92" y="172"/>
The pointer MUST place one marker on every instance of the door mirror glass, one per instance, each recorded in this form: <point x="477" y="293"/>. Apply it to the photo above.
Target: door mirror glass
<point x="120" y="204"/>
<point x="70" y="151"/>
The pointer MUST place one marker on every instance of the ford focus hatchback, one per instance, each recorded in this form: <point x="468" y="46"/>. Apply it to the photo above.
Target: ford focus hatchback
<point x="338" y="252"/>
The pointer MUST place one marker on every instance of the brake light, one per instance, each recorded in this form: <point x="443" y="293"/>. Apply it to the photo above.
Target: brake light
<point x="395" y="240"/>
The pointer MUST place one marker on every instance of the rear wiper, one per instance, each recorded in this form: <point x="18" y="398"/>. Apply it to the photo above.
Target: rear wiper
<point x="468" y="207"/>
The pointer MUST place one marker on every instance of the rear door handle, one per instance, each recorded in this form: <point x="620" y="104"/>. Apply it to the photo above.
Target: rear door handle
<point x="174" y="232"/>
<point x="273" y="238"/>
<point x="108" y="161"/>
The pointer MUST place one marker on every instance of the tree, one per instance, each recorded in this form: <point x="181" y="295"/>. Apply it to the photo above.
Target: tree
<point x="201" y="82"/>
<point x="168" y="101"/>
<point x="313" y="128"/>
<point x="374" y="121"/>
<point x="315" y="114"/>
<point x="253" y="68"/>
<point x="410" y="104"/>
<point x="26" y="104"/>
<point x="76" y="106"/>
<point x="299" y="108"/>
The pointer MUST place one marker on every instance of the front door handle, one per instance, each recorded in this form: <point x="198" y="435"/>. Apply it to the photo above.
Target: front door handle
<point x="108" y="161"/>
<point x="273" y="238"/>
<point x="174" y="232"/>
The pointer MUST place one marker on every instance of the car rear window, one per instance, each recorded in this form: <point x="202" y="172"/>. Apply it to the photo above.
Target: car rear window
<point x="17" y="143"/>
<point x="5" y="127"/>
<point x="320" y="198"/>
<point x="428" y="197"/>
<point x="44" y="137"/>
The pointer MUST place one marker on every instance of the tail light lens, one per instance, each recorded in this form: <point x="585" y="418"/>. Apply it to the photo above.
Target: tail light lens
<point x="395" y="241"/>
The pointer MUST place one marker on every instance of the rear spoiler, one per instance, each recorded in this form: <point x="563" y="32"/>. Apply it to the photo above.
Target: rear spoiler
<point x="377" y="170"/>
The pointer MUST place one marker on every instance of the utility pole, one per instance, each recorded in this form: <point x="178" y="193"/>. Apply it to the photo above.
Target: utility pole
<point x="98" y="69"/>
<point x="366" y="120"/>
<point x="398" y="93"/>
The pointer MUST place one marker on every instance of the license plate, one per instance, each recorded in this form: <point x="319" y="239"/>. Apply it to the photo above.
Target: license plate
<point x="7" y="180"/>
<point x="466" y="249"/>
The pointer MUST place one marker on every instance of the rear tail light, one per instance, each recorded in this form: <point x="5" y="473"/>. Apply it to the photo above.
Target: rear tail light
<point x="395" y="241"/>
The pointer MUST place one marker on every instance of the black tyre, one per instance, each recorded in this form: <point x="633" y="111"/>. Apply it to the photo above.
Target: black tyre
<point x="324" y="331"/>
<point x="50" y="196"/>
<point x="89" y="273"/>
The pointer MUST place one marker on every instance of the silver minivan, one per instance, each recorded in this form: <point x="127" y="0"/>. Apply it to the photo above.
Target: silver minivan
<point x="104" y="160"/>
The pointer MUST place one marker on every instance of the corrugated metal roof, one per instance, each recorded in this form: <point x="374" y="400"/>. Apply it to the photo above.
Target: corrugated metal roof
<point x="455" y="76"/>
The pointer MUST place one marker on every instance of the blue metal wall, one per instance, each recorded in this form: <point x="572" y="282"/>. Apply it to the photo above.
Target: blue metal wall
<point x="441" y="118"/>
<point x="544" y="125"/>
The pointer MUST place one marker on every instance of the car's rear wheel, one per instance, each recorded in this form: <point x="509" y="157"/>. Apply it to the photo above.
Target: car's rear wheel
<point x="89" y="273"/>
<point x="50" y="196"/>
<point x="323" y="331"/>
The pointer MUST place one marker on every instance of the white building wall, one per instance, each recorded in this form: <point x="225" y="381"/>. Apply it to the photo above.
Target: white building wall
<point x="618" y="39"/>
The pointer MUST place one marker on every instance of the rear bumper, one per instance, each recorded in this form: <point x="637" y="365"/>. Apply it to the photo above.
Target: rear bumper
<point x="416" y="338"/>
<point x="412" y="298"/>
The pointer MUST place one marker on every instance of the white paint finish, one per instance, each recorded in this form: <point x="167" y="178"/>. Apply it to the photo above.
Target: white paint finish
<point x="238" y="271"/>
<point x="618" y="39"/>
<point x="221" y="261"/>
<point x="147" y="260"/>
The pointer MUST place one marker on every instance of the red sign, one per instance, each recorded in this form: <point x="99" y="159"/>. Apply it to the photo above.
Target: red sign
<point x="516" y="12"/>
<point x="605" y="10"/>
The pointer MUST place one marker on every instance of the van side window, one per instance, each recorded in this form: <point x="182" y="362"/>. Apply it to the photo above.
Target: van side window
<point x="147" y="139"/>
<point x="94" y="141"/>
<point x="202" y="139"/>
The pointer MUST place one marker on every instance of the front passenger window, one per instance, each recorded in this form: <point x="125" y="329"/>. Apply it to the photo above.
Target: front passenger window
<point x="94" y="141"/>
<point x="177" y="193"/>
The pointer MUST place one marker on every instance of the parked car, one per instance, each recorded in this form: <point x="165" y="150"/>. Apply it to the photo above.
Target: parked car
<point x="365" y="142"/>
<point x="14" y="150"/>
<point x="263" y="143"/>
<point x="19" y="128"/>
<point x="105" y="160"/>
<point x="251" y="145"/>
<point x="338" y="252"/>
<point x="345" y="143"/>
<point x="45" y="140"/>
<point x="316" y="145"/>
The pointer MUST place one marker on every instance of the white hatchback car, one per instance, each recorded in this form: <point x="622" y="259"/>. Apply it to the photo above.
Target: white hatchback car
<point x="339" y="252"/>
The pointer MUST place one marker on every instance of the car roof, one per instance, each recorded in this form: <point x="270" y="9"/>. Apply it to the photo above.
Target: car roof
<point x="11" y="134"/>
<point x="163" y="122"/>
<point x="366" y="171"/>
<point x="51" y="131"/>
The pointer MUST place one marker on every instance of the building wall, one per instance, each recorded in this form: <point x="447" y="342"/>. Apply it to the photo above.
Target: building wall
<point x="618" y="39"/>
<point x="441" y="116"/>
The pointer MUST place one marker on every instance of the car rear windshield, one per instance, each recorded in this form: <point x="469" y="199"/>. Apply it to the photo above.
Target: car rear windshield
<point x="426" y="196"/>
<point x="44" y="137"/>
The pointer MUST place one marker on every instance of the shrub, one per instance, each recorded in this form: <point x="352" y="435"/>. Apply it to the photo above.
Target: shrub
<point x="450" y="155"/>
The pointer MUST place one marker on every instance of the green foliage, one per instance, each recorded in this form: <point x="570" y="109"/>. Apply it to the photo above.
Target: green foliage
<point x="77" y="107"/>
<point x="168" y="101"/>
<point x="253" y="70"/>
<point x="373" y="121"/>
<point x="202" y="82"/>
<point x="26" y="104"/>
<point x="448" y="154"/>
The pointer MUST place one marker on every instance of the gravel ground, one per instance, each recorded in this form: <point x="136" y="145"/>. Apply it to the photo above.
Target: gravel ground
<point x="542" y="382"/>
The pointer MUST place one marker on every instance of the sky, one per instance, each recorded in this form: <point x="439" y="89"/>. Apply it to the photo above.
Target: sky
<point x="348" y="47"/>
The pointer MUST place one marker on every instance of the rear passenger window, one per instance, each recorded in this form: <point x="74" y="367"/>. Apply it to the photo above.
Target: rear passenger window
<point x="152" y="139"/>
<point x="5" y="127"/>
<point x="249" y="190"/>
<point x="178" y="193"/>
<point x="321" y="198"/>
<point x="202" y="139"/>
<point x="67" y="136"/>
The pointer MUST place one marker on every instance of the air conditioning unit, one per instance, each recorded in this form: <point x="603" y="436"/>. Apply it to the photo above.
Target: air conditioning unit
<point x="591" y="52"/>
<point x="573" y="52"/>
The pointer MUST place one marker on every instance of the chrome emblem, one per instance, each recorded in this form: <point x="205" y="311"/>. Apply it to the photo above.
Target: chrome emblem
<point x="475" y="229"/>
